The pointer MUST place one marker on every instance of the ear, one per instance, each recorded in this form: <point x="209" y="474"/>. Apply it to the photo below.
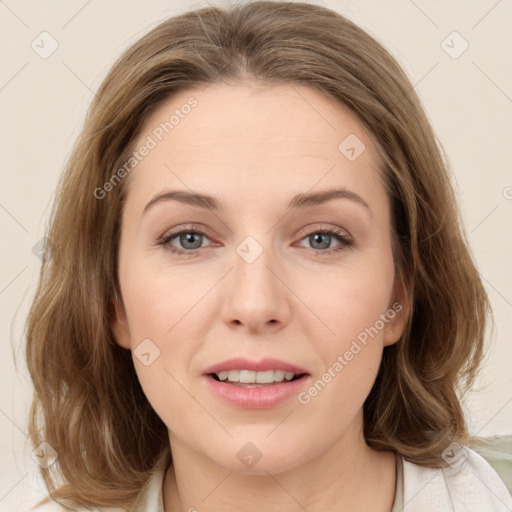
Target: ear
<point x="398" y="311"/>
<point x="119" y="324"/>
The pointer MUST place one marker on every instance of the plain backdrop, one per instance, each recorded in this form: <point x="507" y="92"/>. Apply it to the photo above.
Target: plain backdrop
<point x="464" y="80"/>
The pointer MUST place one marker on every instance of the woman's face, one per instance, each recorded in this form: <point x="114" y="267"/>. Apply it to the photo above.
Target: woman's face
<point x="257" y="277"/>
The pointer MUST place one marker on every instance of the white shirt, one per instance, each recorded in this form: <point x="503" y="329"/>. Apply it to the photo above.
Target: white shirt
<point x="471" y="485"/>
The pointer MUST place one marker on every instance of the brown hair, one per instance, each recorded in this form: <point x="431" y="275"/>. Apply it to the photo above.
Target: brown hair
<point x="88" y="403"/>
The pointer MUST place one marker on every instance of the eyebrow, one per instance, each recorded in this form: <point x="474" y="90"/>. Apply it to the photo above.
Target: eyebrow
<point x="299" y="201"/>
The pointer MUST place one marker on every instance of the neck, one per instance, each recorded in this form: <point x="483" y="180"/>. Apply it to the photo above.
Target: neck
<point x="349" y="476"/>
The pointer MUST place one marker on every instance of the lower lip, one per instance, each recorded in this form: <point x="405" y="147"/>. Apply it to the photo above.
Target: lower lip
<point x="263" y="397"/>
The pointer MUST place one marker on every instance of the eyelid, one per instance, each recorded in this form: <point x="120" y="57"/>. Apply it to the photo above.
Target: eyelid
<point x="196" y="228"/>
<point x="308" y="230"/>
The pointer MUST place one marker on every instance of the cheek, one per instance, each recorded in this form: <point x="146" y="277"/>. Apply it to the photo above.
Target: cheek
<point x="354" y="310"/>
<point x="160" y="300"/>
<point x="350" y="298"/>
<point x="161" y="310"/>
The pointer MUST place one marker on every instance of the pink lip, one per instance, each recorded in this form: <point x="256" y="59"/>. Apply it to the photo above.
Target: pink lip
<point x="262" y="397"/>
<point x="256" y="398"/>
<point x="240" y="363"/>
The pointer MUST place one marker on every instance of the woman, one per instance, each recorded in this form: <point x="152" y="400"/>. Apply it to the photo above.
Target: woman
<point x="307" y="349"/>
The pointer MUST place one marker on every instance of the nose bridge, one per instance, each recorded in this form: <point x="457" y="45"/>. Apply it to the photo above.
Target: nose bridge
<point x="255" y="296"/>
<point x="252" y="262"/>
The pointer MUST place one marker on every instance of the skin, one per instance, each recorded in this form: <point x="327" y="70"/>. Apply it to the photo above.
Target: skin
<point x="253" y="147"/>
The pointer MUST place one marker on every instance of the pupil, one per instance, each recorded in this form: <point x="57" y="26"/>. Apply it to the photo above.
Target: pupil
<point x="189" y="238"/>
<point x="325" y="245"/>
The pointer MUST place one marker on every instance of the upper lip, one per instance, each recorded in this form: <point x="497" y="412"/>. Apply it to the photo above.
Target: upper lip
<point x="241" y="363"/>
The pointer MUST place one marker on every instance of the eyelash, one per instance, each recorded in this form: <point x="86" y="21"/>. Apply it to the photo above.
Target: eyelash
<point x="345" y="242"/>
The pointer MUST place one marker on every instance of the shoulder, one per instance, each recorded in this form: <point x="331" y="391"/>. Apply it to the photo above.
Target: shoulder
<point x="53" y="506"/>
<point x="34" y="505"/>
<point x="35" y="500"/>
<point x="41" y="502"/>
<point x="150" y="498"/>
<point x="468" y="484"/>
<point x="151" y="495"/>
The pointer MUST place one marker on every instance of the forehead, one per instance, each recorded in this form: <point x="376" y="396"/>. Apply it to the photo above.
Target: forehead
<point x="270" y="136"/>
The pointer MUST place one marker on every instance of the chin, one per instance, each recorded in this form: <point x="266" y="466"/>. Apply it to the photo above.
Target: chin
<point x="260" y="456"/>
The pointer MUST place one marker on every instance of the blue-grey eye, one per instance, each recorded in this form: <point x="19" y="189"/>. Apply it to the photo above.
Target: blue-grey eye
<point x="189" y="239"/>
<point x="323" y="239"/>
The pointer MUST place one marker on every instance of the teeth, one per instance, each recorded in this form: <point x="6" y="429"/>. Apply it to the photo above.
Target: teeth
<point x="234" y="376"/>
<point x="222" y="375"/>
<point x="250" y="377"/>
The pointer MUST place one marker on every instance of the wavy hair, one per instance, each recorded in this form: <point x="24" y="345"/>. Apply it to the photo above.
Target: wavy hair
<point x="88" y="403"/>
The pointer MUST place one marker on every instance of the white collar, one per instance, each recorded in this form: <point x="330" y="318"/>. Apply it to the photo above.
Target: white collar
<point x="471" y="485"/>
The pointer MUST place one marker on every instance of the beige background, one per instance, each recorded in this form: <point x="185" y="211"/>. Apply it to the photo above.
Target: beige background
<point x="43" y="103"/>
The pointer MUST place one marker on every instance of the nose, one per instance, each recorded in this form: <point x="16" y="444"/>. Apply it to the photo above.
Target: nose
<point x="255" y="295"/>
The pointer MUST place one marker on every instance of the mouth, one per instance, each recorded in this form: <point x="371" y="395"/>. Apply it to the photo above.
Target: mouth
<point x="250" y="384"/>
<point x="251" y="379"/>
<point x="280" y="387"/>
